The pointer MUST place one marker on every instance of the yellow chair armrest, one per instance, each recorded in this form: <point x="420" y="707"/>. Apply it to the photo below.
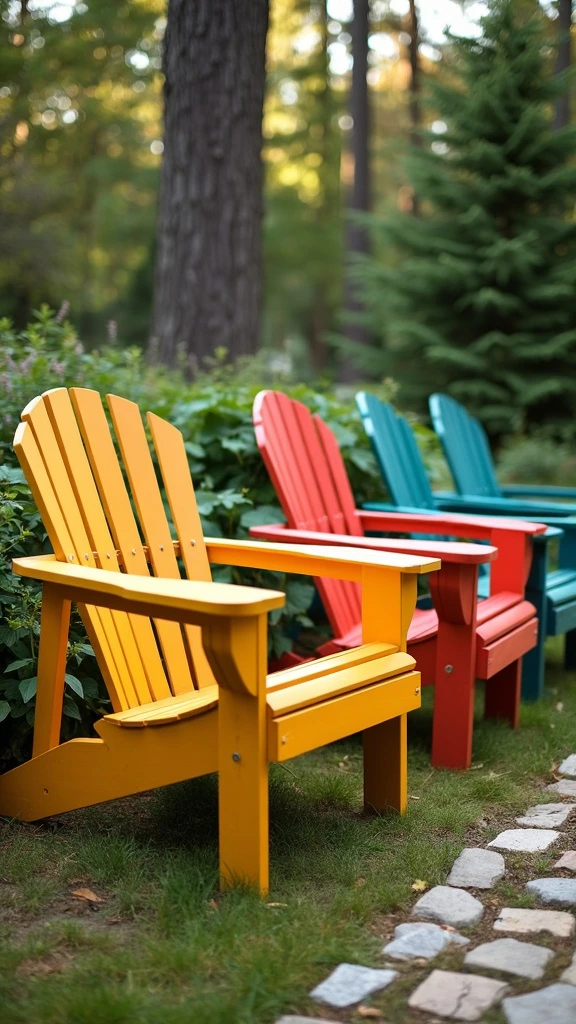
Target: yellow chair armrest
<point x="184" y="601"/>
<point x="341" y="563"/>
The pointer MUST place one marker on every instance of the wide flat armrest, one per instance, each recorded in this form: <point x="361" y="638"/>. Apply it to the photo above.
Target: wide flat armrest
<point x="476" y="504"/>
<point x="528" y="490"/>
<point x="461" y="553"/>
<point x="309" y="560"/>
<point x="456" y="525"/>
<point x="184" y="601"/>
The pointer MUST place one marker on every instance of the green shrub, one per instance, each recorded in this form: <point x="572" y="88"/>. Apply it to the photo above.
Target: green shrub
<point x="232" y="486"/>
<point x="537" y="460"/>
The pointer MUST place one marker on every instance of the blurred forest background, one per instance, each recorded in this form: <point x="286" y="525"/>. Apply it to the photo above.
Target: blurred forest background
<point x="462" y="274"/>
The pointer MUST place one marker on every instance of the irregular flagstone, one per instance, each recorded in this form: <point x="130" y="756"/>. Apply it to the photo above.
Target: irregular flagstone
<point x="512" y="957"/>
<point x="351" y="983"/>
<point x="545" y="815"/>
<point x="527" y="840"/>
<point x="554" y="890"/>
<point x="567" y="860"/>
<point x="568" y="766"/>
<point x="291" y="1019"/>
<point x="530" y="922"/>
<point x="421" y="941"/>
<point x="555" y="1004"/>
<point x="566" y="787"/>
<point x="457" y="996"/>
<point x="569" y="975"/>
<point x="477" y="869"/>
<point x="449" y="906"/>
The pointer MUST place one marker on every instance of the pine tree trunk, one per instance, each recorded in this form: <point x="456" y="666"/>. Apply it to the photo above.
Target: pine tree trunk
<point x="208" y="264"/>
<point x="563" y="61"/>
<point x="357" y="239"/>
<point x="414" y="86"/>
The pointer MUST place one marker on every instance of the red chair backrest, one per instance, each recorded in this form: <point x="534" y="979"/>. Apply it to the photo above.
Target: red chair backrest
<point x="306" y="467"/>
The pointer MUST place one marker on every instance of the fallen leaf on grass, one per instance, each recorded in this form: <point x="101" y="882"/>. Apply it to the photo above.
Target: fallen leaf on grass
<point x="213" y="904"/>
<point x="413" y="797"/>
<point x="276" y="904"/>
<point x="369" y="1011"/>
<point x="87" y="894"/>
<point x="360" y="882"/>
<point x="559" y="706"/>
<point x="419" y="885"/>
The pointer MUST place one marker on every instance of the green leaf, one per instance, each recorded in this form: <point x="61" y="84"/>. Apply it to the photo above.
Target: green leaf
<point x="70" y="708"/>
<point x="4" y="710"/>
<point x="261" y="516"/>
<point x="74" y="684"/>
<point x="15" y="665"/>
<point x="27" y="688"/>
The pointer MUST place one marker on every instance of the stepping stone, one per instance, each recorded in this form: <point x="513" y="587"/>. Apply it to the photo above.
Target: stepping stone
<point x="568" y="766"/>
<point x="512" y="957"/>
<point x="526" y="840"/>
<point x="457" y="996"/>
<point x="546" y="815"/>
<point x="554" y="1005"/>
<point x="421" y="941"/>
<point x="566" y="787"/>
<point x="290" y="1019"/>
<point x="554" y="890"/>
<point x="449" y="906"/>
<point x="351" y="983"/>
<point x="477" y="869"/>
<point x="530" y="922"/>
<point x="569" y="975"/>
<point x="567" y="860"/>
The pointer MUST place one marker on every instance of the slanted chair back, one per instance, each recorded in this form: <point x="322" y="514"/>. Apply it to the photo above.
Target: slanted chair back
<point x="69" y="458"/>
<point x="306" y="467"/>
<point x="397" y="453"/>
<point x="465" y="446"/>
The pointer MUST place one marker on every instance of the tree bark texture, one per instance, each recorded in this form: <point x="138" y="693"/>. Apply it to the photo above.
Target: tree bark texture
<point x="208" y="264"/>
<point x="357" y="238"/>
<point x="414" y="86"/>
<point x="563" y="61"/>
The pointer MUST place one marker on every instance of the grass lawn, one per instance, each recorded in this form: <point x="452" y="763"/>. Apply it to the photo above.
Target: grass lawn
<point x="164" y="948"/>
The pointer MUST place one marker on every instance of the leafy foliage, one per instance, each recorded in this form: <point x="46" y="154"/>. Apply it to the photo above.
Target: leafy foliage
<point x="482" y="298"/>
<point x="232" y="486"/>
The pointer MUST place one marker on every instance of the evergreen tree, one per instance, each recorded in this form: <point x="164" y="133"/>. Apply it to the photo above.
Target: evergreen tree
<point x="477" y="296"/>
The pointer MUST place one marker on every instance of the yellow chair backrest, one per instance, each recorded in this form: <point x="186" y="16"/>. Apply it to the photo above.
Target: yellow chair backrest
<point x="69" y="458"/>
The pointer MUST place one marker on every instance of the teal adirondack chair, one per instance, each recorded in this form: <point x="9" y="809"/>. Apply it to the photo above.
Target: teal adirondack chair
<point x="470" y="460"/>
<point x="553" y="594"/>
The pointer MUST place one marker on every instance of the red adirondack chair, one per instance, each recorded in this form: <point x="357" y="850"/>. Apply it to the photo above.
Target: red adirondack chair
<point x="456" y="641"/>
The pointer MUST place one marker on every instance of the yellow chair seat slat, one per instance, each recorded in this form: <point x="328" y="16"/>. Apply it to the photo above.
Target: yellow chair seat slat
<point x="323" y="688"/>
<point x="164" y="712"/>
<point x="332" y="663"/>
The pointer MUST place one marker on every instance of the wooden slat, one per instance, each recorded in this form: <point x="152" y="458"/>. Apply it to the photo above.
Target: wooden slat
<point x="101" y="623"/>
<point x="66" y="430"/>
<point x="325" y="687"/>
<point x="279" y="437"/>
<point x="169" y="445"/>
<point x="112" y="490"/>
<point x="164" y="712"/>
<point x="324" y="666"/>
<point x="137" y="460"/>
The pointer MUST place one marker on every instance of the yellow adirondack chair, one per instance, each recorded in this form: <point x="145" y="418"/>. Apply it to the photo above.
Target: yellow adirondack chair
<point x="184" y="661"/>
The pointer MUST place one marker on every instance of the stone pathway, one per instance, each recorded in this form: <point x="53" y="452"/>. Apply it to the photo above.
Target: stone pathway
<point x="516" y="959"/>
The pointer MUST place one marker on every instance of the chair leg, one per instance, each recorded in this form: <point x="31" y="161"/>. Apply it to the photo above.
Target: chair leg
<point x="533" y="661"/>
<point x="386" y="765"/>
<point x="243" y="790"/>
<point x="503" y="694"/>
<point x="570" y="649"/>
<point x="454" y="687"/>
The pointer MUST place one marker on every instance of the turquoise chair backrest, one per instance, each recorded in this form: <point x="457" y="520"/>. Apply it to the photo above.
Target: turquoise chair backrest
<point x="465" y="447"/>
<point x="397" y="453"/>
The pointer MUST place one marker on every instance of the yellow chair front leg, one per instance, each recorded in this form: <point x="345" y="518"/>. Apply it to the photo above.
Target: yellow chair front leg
<point x="386" y="766"/>
<point x="236" y="650"/>
<point x="54" y="624"/>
